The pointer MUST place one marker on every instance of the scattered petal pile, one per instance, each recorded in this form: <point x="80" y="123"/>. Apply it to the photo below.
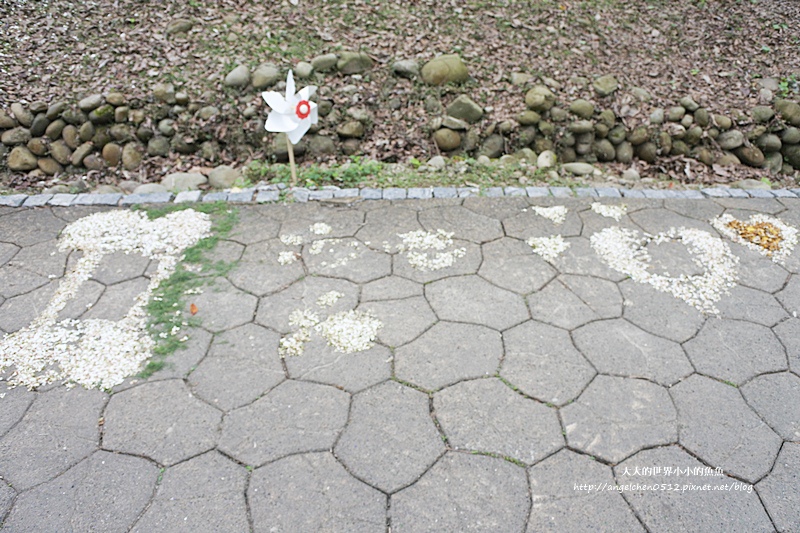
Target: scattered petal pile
<point x="762" y="233"/>
<point x="557" y="214"/>
<point x="610" y="211"/>
<point x="95" y="352"/>
<point x="418" y="244"/>
<point x="548" y="247"/>
<point x="625" y="251"/>
<point x="347" y="332"/>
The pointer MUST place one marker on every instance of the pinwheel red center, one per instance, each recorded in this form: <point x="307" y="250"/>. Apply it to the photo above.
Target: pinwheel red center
<point x="303" y="109"/>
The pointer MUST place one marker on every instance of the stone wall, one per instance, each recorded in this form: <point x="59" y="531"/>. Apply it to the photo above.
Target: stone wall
<point x="113" y="131"/>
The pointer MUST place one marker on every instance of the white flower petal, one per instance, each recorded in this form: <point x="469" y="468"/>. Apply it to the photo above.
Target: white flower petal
<point x="297" y="134"/>
<point x="307" y="92"/>
<point x="279" y="122"/>
<point x="313" y="117"/>
<point x="289" y="86"/>
<point x="275" y="101"/>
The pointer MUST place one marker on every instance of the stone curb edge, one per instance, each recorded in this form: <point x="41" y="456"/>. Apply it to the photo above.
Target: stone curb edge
<point x="272" y="193"/>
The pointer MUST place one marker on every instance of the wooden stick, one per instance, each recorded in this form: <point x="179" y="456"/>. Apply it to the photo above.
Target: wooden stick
<point x="291" y="161"/>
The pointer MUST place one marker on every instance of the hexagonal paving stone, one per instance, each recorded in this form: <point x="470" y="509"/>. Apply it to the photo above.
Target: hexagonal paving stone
<point x="343" y="223"/>
<point x="619" y="348"/>
<point x="18" y="281"/>
<point x="601" y="295"/>
<point x="475" y="300"/>
<point x="654" y="221"/>
<point x="20" y="311"/>
<point x="260" y="273"/>
<point x="594" y="222"/>
<point x="511" y="264"/>
<point x="7" y="495"/>
<point x="205" y="493"/>
<point x="792" y="263"/>
<point x="716" y="424"/>
<point x="776" y="397"/>
<point x="390" y="440"/>
<point x="724" y="349"/>
<point x="160" y="420"/>
<point x="274" y="310"/>
<point x="353" y="372"/>
<point x="119" y="266"/>
<point x="790" y="295"/>
<point x="743" y="208"/>
<point x="222" y="306"/>
<point x="559" y="306"/>
<point x="580" y="259"/>
<point x="792" y="214"/>
<point x="486" y="415"/>
<point x="292" y="418"/>
<point x="615" y="417"/>
<point x="788" y="333"/>
<point x="403" y="320"/>
<point x="757" y="271"/>
<point x="26" y="227"/>
<point x="7" y="252"/>
<point x="312" y="492"/>
<point x="448" y="353"/>
<point x="118" y="299"/>
<point x="464" y="493"/>
<point x="702" y="211"/>
<point x="543" y="363"/>
<point x="104" y="492"/>
<point x="660" y="313"/>
<point x="15" y="404"/>
<point x="529" y="224"/>
<point x="752" y="305"/>
<point x="279" y="211"/>
<point x="56" y="432"/>
<point x="462" y="223"/>
<point x="177" y="364"/>
<point x="671" y="259"/>
<point x="559" y="506"/>
<point x="42" y="258"/>
<point x="497" y="208"/>
<point x="390" y="288"/>
<point x="241" y="365"/>
<point x="348" y="259"/>
<point x="181" y="362"/>
<point x="417" y="204"/>
<point x="468" y="264"/>
<point x="384" y="226"/>
<point x="225" y="251"/>
<point x="252" y="228"/>
<point x="780" y="490"/>
<point x="691" y="510"/>
<point x="73" y="213"/>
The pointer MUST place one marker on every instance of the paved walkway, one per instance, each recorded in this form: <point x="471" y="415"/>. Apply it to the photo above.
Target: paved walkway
<point x="504" y="393"/>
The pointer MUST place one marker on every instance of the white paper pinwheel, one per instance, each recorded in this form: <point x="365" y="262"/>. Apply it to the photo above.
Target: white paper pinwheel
<point x="293" y="114"/>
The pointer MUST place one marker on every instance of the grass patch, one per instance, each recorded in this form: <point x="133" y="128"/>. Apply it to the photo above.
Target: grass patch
<point x="165" y="308"/>
<point x="356" y="171"/>
<point x="361" y="172"/>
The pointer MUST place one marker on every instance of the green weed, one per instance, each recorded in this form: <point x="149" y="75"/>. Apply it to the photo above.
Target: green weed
<point x="788" y="86"/>
<point x="166" y="305"/>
